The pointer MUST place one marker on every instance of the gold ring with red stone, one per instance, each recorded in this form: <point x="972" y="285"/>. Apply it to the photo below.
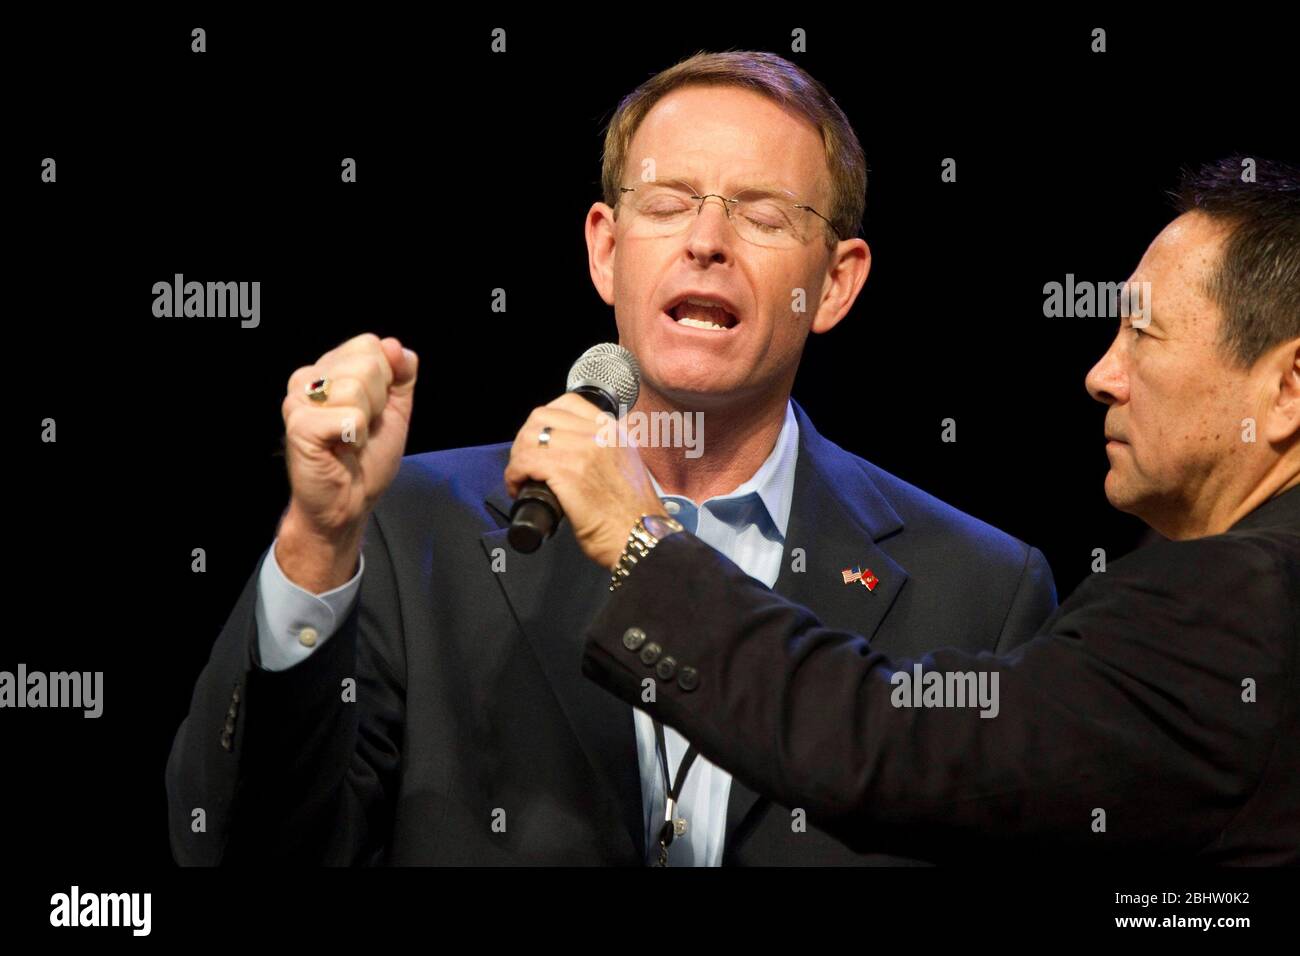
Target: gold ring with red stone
<point x="319" y="390"/>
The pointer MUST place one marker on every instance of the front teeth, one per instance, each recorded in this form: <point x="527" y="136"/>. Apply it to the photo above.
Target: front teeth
<point x="699" y="323"/>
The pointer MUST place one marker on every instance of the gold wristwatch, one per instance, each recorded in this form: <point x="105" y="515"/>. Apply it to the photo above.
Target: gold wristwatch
<point x="645" y="534"/>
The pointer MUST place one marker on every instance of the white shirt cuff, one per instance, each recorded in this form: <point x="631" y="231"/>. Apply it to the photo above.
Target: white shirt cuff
<point x="292" y="621"/>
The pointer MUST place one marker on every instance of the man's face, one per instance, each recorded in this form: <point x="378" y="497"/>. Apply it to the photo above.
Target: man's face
<point x="1174" y="425"/>
<point x="720" y="140"/>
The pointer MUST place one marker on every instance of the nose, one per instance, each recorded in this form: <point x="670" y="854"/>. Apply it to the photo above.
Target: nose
<point x="711" y="233"/>
<point x="1107" y="381"/>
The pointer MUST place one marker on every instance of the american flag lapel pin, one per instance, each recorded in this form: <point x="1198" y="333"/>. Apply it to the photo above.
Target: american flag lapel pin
<point x="865" y="578"/>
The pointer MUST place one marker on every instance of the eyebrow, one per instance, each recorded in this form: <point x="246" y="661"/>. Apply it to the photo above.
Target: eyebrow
<point x="759" y="188"/>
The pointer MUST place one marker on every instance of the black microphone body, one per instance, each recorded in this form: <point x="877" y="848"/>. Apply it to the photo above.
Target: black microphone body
<point x="604" y="376"/>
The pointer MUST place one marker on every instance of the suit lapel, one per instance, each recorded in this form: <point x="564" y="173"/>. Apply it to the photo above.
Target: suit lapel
<point x="837" y="516"/>
<point x="554" y="593"/>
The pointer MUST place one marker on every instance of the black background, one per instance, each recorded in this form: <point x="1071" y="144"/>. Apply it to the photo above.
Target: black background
<point x="225" y="166"/>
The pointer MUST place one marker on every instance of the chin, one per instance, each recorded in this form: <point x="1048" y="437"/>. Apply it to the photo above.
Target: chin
<point x="687" y="381"/>
<point x="1120" y="497"/>
<point x="1144" y="505"/>
<point x="698" y="397"/>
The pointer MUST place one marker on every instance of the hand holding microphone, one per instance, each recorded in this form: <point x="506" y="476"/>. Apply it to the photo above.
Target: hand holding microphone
<point x="560" y="462"/>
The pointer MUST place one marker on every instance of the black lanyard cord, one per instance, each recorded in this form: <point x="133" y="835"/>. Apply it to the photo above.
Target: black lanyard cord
<point x="668" y="831"/>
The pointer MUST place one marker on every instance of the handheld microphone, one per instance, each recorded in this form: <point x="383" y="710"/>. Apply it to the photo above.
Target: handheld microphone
<point x="607" y="375"/>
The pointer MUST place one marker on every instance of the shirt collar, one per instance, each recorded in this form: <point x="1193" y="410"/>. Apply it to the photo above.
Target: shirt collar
<point x="773" y="482"/>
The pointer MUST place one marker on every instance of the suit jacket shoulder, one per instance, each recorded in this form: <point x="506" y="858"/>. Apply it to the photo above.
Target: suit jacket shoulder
<point x="925" y="514"/>
<point x="963" y="576"/>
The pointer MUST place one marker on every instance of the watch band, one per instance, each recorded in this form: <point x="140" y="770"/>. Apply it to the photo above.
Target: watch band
<point x="640" y="542"/>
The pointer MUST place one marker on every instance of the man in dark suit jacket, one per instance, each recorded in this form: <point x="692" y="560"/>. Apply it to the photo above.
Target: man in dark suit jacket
<point x="1157" y="712"/>
<point x="443" y="717"/>
<point x="470" y="698"/>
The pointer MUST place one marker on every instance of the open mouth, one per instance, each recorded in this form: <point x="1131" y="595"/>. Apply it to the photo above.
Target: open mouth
<point x="702" y="312"/>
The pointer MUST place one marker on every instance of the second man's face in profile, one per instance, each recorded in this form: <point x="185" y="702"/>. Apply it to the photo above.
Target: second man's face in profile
<point x="1176" y="400"/>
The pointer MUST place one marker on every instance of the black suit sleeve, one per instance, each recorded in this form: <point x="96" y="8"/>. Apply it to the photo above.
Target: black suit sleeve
<point x="308" y="776"/>
<point x="1120" y="727"/>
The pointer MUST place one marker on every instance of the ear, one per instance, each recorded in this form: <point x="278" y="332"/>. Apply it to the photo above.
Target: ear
<point x="1283" y="370"/>
<point x="845" y="275"/>
<point x="600" y="249"/>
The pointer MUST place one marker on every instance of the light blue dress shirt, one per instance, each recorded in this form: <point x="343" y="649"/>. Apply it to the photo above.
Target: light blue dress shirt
<point x="748" y="526"/>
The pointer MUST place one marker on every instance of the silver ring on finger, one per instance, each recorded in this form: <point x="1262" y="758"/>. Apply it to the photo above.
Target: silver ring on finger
<point x="544" y="439"/>
<point x="319" y="390"/>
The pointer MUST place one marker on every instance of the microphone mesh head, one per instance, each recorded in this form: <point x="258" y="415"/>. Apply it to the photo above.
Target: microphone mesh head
<point x="611" y="368"/>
